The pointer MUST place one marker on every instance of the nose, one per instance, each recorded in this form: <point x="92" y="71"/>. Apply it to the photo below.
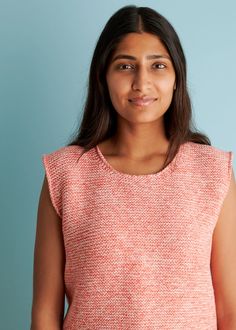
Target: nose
<point x="141" y="79"/>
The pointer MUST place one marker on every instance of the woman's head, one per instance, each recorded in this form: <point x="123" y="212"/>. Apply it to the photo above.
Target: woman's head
<point x="141" y="78"/>
<point x="125" y="27"/>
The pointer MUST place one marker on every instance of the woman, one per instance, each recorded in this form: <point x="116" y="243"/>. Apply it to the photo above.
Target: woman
<point x="136" y="217"/>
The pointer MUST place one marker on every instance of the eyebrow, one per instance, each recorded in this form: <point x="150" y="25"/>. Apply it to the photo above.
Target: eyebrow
<point x="149" y="57"/>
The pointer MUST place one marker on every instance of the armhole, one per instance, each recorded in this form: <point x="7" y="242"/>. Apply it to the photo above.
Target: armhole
<point x="53" y="183"/>
<point x="230" y="156"/>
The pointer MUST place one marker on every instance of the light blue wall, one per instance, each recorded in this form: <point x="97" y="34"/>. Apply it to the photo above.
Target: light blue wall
<point x="46" y="47"/>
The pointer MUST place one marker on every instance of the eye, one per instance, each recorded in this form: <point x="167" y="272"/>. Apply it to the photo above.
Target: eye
<point x="161" y="66"/>
<point x="123" y="67"/>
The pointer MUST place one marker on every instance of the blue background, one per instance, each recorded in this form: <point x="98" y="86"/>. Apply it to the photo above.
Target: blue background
<point x="46" y="48"/>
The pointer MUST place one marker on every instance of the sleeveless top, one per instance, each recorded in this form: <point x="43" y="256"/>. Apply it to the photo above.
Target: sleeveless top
<point x="138" y="247"/>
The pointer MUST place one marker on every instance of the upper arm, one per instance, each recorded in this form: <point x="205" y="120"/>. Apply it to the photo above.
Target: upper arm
<point x="49" y="260"/>
<point x="223" y="258"/>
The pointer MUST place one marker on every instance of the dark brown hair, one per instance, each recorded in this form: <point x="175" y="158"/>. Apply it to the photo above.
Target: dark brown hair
<point x="99" y="116"/>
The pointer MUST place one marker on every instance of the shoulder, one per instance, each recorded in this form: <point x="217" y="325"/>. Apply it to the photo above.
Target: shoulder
<point x="204" y="154"/>
<point x="63" y="156"/>
<point x="210" y="164"/>
<point x="206" y="150"/>
<point x="66" y="151"/>
<point x="59" y="162"/>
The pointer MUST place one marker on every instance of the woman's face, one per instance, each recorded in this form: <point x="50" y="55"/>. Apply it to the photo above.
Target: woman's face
<point x="141" y="68"/>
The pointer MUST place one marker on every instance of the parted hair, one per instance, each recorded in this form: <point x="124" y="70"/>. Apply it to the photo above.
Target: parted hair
<point x="98" y="120"/>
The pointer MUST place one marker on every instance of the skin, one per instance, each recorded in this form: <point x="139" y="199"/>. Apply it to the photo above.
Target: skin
<point x="140" y="142"/>
<point x="140" y="129"/>
<point x="139" y="146"/>
<point x="223" y="261"/>
<point x="48" y="284"/>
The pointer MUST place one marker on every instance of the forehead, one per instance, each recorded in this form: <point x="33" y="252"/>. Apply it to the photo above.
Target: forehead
<point x="140" y="43"/>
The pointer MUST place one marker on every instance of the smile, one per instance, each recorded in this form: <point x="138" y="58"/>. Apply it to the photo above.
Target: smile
<point x="142" y="102"/>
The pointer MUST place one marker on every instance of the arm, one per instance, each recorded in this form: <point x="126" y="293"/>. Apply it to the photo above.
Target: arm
<point x="223" y="261"/>
<point x="48" y="285"/>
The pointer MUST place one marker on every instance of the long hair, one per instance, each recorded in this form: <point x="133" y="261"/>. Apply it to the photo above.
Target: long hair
<point x="99" y="116"/>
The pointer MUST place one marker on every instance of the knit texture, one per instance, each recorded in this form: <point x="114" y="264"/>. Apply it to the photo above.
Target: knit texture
<point x="138" y="247"/>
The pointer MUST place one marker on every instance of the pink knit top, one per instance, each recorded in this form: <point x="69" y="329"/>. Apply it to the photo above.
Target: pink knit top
<point x="138" y="247"/>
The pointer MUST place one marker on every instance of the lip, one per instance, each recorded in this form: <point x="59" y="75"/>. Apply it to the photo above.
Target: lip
<point x="143" y="98"/>
<point x="143" y="101"/>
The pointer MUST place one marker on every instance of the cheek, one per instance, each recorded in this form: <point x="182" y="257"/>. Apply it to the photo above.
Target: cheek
<point x="166" y="86"/>
<point x="118" y="88"/>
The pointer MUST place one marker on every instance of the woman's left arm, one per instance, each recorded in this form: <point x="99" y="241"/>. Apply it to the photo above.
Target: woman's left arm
<point x="223" y="261"/>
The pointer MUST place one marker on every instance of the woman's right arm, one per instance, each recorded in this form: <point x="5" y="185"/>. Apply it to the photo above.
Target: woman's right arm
<point x="49" y="260"/>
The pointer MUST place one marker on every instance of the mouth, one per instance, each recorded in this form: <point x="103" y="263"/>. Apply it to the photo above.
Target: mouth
<point x="142" y="102"/>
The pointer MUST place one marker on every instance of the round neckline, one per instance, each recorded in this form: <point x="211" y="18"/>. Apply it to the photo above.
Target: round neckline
<point x="107" y="166"/>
